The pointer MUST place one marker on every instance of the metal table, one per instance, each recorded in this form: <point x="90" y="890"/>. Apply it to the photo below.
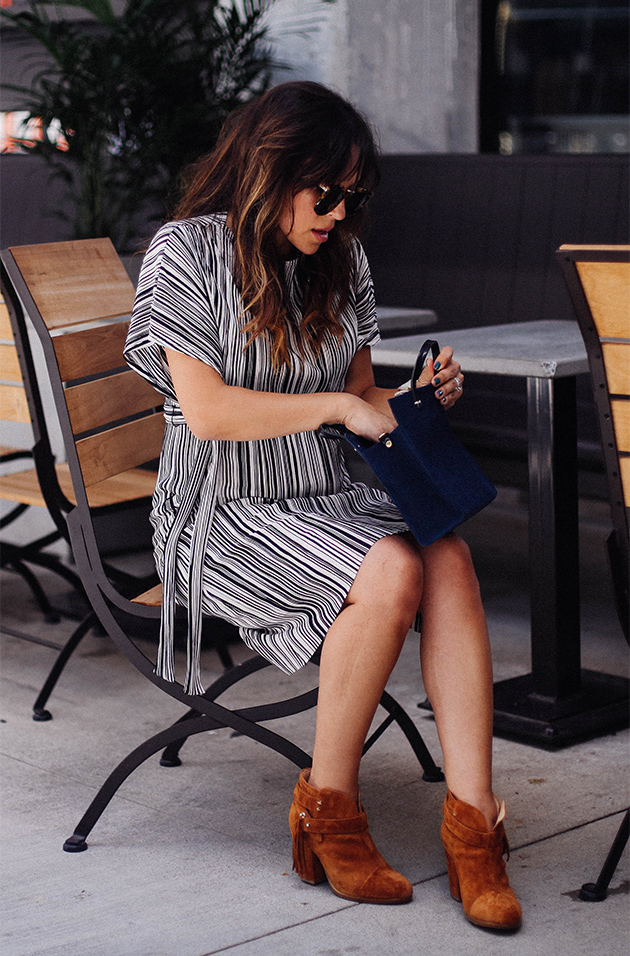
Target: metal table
<point x="557" y="702"/>
<point x="394" y="321"/>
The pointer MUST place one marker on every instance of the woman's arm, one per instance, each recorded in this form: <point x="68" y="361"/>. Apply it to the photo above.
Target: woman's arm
<point x="214" y="410"/>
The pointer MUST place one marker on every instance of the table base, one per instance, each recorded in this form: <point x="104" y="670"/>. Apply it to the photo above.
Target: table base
<point x="601" y="705"/>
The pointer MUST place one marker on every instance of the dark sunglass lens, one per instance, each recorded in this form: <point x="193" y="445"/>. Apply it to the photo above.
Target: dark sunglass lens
<point x="355" y="201"/>
<point x="329" y="200"/>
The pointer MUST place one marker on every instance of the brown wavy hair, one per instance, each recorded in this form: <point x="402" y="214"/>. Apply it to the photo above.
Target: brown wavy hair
<point x="296" y="136"/>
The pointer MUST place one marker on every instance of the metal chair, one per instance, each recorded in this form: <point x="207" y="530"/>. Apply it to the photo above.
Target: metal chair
<point x="598" y="280"/>
<point x="21" y="486"/>
<point x="111" y="423"/>
<point x="49" y="484"/>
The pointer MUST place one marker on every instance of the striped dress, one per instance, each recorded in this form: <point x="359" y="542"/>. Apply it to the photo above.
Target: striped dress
<point x="268" y="535"/>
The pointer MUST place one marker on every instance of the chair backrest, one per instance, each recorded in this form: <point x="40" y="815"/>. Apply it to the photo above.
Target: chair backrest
<point x="78" y="296"/>
<point x="13" y="402"/>
<point x="598" y="280"/>
<point x="21" y="403"/>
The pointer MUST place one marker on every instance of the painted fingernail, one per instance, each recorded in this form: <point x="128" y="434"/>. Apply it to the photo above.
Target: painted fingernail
<point x="443" y="401"/>
<point x="437" y="366"/>
<point x="436" y="381"/>
<point x="440" y="393"/>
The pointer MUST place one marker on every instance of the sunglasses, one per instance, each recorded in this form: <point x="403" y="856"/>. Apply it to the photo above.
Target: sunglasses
<point x="332" y="195"/>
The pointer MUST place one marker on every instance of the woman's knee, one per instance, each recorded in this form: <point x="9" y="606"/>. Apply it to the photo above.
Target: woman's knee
<point x="392" y="573"/>
<point x="449" y="547"/>
<point x="450" y="558"/>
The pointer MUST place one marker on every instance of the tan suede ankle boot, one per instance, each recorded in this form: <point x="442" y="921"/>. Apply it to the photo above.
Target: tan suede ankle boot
<point x="476" y="869"/>
<point x="331" y="841"/>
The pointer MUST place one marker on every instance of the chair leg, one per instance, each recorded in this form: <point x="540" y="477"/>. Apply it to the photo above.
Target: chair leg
<point x="51" y="563"/>
<point x="50" y="615"/>
<point x="170" y="757"/>
<point x="432" y="773"/>
<point x="224" y="655"/>
<point x="77" y="842"/>
<point x="39" y="707"/>
<point x="596" y="892"/>
<point x="18" y="557"/>
<point x="184" y="727"/>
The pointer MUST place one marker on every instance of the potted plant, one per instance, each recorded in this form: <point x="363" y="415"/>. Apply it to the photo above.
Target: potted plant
<point x="135" y="97"/>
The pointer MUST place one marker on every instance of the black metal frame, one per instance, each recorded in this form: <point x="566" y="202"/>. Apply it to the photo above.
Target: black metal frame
<point x="619" y="540"/>
<point x="17" y="557"/>
<point x="125" y="621"/>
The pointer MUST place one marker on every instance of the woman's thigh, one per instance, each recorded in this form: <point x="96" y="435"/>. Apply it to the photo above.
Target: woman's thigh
<point x="391" y="573"/>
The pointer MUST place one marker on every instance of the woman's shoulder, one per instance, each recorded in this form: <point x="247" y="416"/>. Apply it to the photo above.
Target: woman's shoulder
<point x="189" y="244"/>
<point x="196" y="229"/>
<point x="359" y="265"/>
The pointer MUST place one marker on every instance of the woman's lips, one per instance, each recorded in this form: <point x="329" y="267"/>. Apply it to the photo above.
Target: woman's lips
<point x="321" y="234"/>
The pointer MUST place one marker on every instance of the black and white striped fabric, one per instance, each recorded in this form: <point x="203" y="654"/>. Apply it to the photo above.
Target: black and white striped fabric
<point x="268" y="535"/>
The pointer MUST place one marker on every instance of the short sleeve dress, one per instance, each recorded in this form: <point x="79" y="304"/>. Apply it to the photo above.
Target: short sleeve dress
<point x="268" y="535"/>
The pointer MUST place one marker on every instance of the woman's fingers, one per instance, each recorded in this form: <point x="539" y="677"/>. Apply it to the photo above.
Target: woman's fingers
<point x="441" y="366"/>
<point x="446" y="376"/>
<point x="449" y="387"/>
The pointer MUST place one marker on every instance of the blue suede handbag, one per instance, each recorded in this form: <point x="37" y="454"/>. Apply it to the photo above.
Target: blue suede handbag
<point x="429" y="475"/>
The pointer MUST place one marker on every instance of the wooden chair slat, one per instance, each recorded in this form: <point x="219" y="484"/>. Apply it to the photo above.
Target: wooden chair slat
<point x="13" y="404"/>
<point x="607" y="288"/>
<point x="23" y="487"/>
<point x="617" y="363"/>
<point x="127" y="486"/>
<point x="76" y="281"/>
<point x="11" y="449"/>
<point x="624" y="468"/>
<point x="10" y="364"/>
<point x="91" y="351"/>
<point x="150" y="598"/>
<point x="120" y="448"/>
<point x="621" y="421"/>
<point x="110" y="399"/>
<point x="6" y="332"/>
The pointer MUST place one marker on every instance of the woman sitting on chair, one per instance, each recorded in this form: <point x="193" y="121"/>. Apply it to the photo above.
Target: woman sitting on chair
<point x="254" y="317"/>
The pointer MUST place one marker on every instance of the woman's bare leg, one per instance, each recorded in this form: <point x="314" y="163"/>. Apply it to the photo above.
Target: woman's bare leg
<point x="457" y="671"/>
<point x="358" y="656"/>
<point x="364" y="643"/>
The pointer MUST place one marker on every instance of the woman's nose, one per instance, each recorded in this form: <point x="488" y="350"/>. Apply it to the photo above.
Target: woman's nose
<point x="339" y="212"/>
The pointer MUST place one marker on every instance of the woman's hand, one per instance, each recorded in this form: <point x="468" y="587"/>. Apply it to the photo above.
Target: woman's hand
<point x="362" y="419"/>
<point x="446" y="376"/>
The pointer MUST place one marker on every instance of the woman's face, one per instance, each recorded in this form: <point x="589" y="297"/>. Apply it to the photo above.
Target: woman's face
<point x="301" y="228"/>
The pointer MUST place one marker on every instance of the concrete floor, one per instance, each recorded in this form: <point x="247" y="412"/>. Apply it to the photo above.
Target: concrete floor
<point x="197" y="860"/>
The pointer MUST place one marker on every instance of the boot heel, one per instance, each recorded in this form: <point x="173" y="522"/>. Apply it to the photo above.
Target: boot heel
<point x="453" y="879"/>
<point x="308" y="867"/>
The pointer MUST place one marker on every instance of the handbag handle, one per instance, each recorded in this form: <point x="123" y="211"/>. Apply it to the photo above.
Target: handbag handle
<point x="340" y="431"/>
<point x="429" y="346"/>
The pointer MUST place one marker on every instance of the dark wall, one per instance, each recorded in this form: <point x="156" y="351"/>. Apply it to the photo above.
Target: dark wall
<point x="474" y="236"/>
<point x="28" y="198"/>
<point x="31" y="200"/>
